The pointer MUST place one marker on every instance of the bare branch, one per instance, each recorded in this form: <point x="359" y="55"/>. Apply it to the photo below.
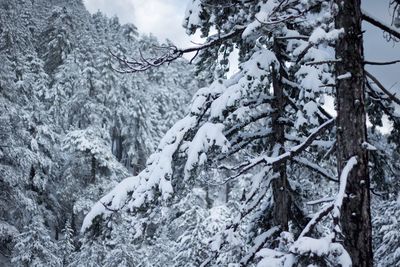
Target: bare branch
<point x="304" y="52"/>
<point x="299" y="37"/>
<point x="387" y="92"/>
<point x="330" y="151"/>
<point x="321" y="200"/>
<point x="382" y="63"/>
<point x="332" y="61"/>
<point x="381" y="25"/>
<point x="315" y="167"/>
<point x="381" y="102"/>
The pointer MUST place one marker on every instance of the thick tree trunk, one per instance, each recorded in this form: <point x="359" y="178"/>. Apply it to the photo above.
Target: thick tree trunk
<point x="351" y="133"/>
<point x="280" y="184"/>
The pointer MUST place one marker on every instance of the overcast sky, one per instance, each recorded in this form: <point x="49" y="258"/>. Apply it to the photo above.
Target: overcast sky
<point x="164" y="19"/>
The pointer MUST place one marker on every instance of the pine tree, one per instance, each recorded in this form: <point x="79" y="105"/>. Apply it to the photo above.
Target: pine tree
<point x="288" y="64"/>
<point x="34" y="247"/>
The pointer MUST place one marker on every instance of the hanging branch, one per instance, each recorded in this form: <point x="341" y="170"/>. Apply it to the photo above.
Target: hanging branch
<point x="169" y="54"/>
<point x="380" y="24"/>
<point x="374" y="95"/>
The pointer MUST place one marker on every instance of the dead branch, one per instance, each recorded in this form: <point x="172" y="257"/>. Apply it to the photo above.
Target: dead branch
<point x="392" y="31"/>
<point x="382" y="63"/>
<point x="379" y="84"/>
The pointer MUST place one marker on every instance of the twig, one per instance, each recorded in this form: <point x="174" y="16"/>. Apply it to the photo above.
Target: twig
<point x="332" y="61"/>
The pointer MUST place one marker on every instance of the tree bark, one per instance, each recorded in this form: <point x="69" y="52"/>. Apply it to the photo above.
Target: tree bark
<point x="351" y="133"/>
<point x="280" y="184"/>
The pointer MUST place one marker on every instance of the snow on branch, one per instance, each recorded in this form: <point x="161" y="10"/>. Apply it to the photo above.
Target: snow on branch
<point x="322" y="247"/>
<point x="316" y="219"/>
<point x="315" y="167"/>
<point x="137" y="190"/>
<point x="294" y="151"/>
<point x="337" y="204"/>
<point x="208" y="135"/>
<point x="259" y="242"/>
<point x="170" y="53"/>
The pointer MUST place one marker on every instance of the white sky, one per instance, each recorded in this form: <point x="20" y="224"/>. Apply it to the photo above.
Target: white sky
<point x="163" y="18"/>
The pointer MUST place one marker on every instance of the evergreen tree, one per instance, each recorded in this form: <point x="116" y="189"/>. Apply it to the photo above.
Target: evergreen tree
<point x="34" y="246"/>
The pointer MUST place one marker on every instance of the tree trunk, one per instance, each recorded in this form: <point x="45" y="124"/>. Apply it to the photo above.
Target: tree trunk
<point x="352" y="133"/>
<point x="280" y="184"/>
<point x="93" y="170"/>
<point x="117" y="143"/>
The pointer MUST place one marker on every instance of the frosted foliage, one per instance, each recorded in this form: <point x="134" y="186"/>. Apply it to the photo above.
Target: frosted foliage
<point x="192" y="15"/>
<point x="232" y="125"/>
<point x="71" y="127"/>
<point x="207" y="136"/>
<point x="387" y="237"/>
<point x="34" y="247"/>
<point x="100" y="168"/>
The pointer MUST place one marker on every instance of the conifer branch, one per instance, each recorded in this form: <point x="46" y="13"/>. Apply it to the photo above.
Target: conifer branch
<point x="170" y="53"/>
<point x="294" y="151"/>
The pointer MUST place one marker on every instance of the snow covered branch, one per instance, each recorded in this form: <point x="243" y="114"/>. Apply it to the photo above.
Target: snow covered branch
<point x="294" y="151"/>
<point x="170" y="53"/>
<point x="316" y="219"/>
<point x="315" y="167"/>
<point x="337" y="205"/>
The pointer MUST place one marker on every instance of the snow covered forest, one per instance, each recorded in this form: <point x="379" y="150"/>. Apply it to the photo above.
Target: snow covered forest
<point x="116" y="150"/>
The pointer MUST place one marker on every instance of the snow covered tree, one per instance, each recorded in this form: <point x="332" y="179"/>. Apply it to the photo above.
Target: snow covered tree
<point x="58" y="88"/>
<point x="66" y="243"/>
<point x="355" y="217"/>
<point x="34" y="247"/>
<point x="287" y="68"/>
<point x="229" y="117"/>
